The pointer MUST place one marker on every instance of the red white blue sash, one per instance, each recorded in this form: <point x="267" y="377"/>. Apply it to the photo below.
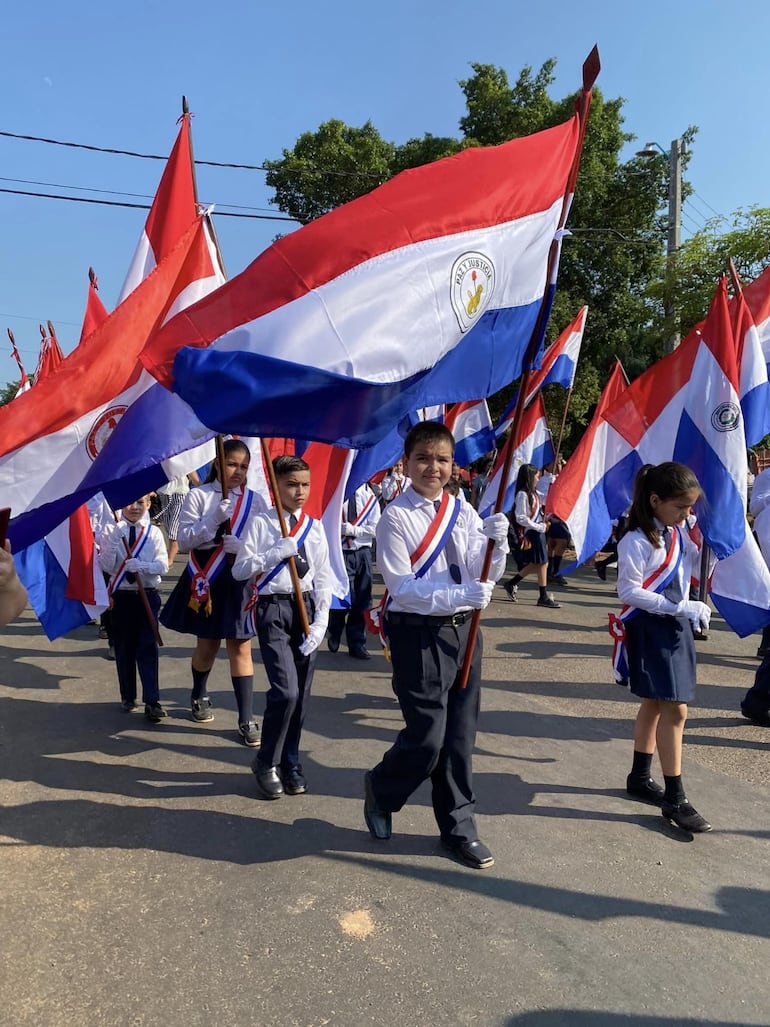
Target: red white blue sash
<point x="422" y="559"/>
<point x="658" y="581"/>
<point x="139" y="543"/>
<point x="362" y="515"/>
<point x="202" y="575"/>
<point x="300" y="532"/>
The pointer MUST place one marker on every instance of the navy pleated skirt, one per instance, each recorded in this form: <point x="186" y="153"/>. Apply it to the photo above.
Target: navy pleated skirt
<point x="661" y="657"/>
<point x="226" y="619"/>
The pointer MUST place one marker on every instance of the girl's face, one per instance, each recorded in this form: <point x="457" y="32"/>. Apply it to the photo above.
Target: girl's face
<point x="236" y="468"/>
<point x="673" y="510"/>
<point x="398" y="469"/>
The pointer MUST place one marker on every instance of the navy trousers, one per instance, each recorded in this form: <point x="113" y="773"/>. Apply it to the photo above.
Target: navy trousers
<point x="757" y="699"/>
<point x="358" y="564"/>
<point x="289" y="674"/>
<point x="440" y="721"/>
<point x="135" y="645"/>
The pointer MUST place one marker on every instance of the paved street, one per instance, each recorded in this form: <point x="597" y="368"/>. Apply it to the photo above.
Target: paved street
<point x="143" y="882"/>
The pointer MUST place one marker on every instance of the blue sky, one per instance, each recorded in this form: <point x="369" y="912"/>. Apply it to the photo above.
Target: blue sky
<point x="257" y="75"/>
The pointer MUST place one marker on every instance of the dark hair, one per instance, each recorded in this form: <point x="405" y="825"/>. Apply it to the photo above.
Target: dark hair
<point x="283" y="465"/>
<point x="669" y="480"/>
<point x="426" y="432"/>
<point x="525" y="480"/>
<point x="228" y="446"/>
<point x="452" y="487"/>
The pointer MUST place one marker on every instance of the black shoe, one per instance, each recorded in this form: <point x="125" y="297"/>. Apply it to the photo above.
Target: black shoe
<point x="249" y="734"/>
<point x="512" y="590"/>
<point x="294" y="782"/>
<point x="110" y="654"/>
<point x="472" y="854"/>
<point x="760" y="717"/>
<point x="762" y="652"/>
<point x="378" y="820"/>
<point x="154" y="711"/>
<point x="549" y="602"/>
<point x="685" y="816"/>
<point x="646" y="789"/>
<point x="333" y="643"/>
<point x="129" y="705"/>
<point x="558" y="579"/>
<point x="201" y="710"/>
<point x="268" y="783"/>
<point x="360" y="654"/>
<point x="601" y="570"/>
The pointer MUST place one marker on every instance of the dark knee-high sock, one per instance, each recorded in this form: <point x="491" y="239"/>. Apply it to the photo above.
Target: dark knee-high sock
<point x="200" y="678"/>
<point x="243" y="686"/>
<point x="555" y="562"/>
<point x="674" y="789"/>
<point x="515" y="580"/>
<point x="543" y="591"/>
<point x="642" y="766"/>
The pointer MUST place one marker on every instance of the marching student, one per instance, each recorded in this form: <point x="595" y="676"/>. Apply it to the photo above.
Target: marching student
<point x="207" y="600"/>
<point x="654" y="562"/>
<point x="288" y="654"/>
<point x="430" y="550"/>
<point x="531" y="528"/>
<point x="361" y="515"/>
<point x="394" y="483"/>
<point x="134" y="637"/>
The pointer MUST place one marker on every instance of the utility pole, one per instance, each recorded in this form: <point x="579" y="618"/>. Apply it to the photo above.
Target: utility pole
<point x="674" y="238"/>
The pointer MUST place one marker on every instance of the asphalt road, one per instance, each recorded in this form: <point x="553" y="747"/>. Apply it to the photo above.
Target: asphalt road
<point x="143" y="883"/>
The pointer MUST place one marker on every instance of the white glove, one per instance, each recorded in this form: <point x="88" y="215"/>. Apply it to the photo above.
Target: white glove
<point x="350" y="530"/>
<point x="282" y="550"/>
<point x="496" y="526"/>
<point x="221" y="512"/>
<point x="541" y="527"/>
<point x="314" y="639"/>
<point x="697" y="613"/>
<point x="231" y="544"/>
<point x="134" y="565"/>
<point x="478" y="594"/>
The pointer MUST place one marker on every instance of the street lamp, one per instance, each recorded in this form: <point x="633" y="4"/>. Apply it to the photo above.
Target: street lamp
<point x="674" y="235"/>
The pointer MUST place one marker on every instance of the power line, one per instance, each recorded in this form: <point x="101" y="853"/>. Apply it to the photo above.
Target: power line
<point x="206" y="163"/>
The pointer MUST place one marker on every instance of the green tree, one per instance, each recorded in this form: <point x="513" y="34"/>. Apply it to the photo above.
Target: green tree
<point x="8" y="392"/>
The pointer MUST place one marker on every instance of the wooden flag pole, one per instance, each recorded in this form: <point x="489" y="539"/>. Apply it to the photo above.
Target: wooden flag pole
<point x="285" y="532"/>
<point x="591" y="68"/>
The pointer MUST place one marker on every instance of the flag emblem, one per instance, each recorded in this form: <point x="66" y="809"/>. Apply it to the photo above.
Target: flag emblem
<point x="472" y="285"/>
<point x="726" y="417"/>
<point x="102" y="428"/>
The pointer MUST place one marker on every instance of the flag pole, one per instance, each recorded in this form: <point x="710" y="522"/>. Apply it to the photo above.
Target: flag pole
<point x="285" y="533"/>
<point x="561" y="429"/>
<point x="591" y="68"/>
<point x="141" y="590"/>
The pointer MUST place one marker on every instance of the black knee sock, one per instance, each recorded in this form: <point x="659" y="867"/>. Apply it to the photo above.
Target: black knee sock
<point x="543" y="592"/>
<point x="243" y="686"/>
<point x="200" y="678"/>
<point x="515" y="580"/>
<point x="555" y="564"/>
<point x="674" y="789"/>
<point x="642" y="765"/>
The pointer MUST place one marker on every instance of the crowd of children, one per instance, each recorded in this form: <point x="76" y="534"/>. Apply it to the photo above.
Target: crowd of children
<point x="254" y="571"/>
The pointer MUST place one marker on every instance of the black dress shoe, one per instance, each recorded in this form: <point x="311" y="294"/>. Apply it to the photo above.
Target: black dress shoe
<point x="601" y="571"/>
<point x="333" y="643"/>
<point x="377" y="820"/>
<point x="360" y="654"/>
<point x="760" y="717"/>
<point x="646" y="789"/>
<point x="473" y="854"/>
<point x="268" y="783"/>
<point x="294" y="782"/>
<point x="685" y="816"/>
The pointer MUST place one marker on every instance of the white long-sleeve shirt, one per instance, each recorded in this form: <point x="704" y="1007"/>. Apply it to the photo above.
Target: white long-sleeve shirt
<point x="112" y="553"/>
<point x="366" y="530"/>
<point x="196" y="530"/>
<point x="638" y="558"/>
<point x="403" y="526"/>
<point x="529" y="516"/>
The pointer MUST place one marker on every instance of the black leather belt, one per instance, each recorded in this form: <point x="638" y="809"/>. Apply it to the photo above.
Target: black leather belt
<point x="426" y="621"/>
<point x="280" y="595"/>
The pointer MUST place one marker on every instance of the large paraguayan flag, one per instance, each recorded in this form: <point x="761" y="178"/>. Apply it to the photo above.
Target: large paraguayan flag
<point x="595" y="486"/>
<point x="424" y="291"/>
<point x="687" y="408"/>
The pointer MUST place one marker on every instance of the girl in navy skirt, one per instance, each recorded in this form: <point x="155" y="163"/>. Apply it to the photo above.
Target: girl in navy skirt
<point x="531" y="552"/>
<point x="207" y="601"/>
<point x="654" y="559"/>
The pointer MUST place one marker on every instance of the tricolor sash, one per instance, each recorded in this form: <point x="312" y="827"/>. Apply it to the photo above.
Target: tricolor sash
<point x="362" y="515"/>
<point x="422" y="559"/>
<point x="300" y="532"/>
<point x="658" y="581"/>
<point x="139" y="543"/>
<point x="202" y="575"/>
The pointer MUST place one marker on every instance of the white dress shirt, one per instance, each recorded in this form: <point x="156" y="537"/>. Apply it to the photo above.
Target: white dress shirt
<point x="153" y="553"/>
<point x="638" y="558"/>
<point x="531" y="520"/>
<point x="364" y="531"/>
<point x="196" y="530"/>
<point x="403" y="525"/>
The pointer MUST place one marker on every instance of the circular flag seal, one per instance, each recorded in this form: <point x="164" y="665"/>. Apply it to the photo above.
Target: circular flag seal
<point x="102" y="428"/>
<point x="471" y="286"/>
<point x="726" y="417"/>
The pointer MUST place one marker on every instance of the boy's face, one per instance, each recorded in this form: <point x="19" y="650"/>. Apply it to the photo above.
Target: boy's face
<point x="134" y="512"/>
<point x="293" y="489"/>
<point x="429" y="465"/>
